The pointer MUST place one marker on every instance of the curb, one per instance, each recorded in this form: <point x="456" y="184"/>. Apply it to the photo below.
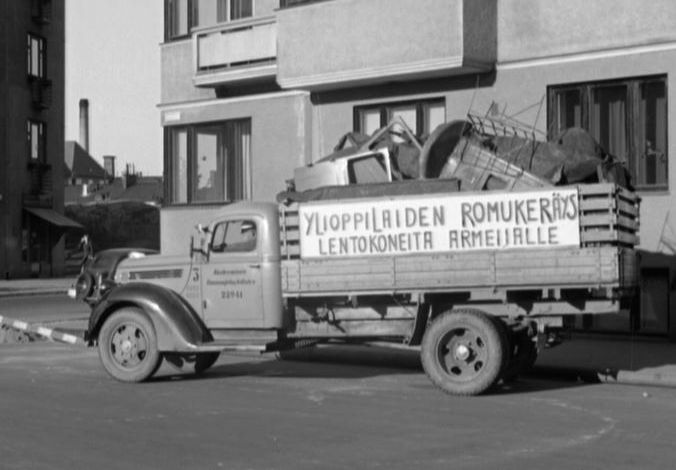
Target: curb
<point x="608" y="376"/>
<point x="25" y="293"/>
<point x="42" y="331"/>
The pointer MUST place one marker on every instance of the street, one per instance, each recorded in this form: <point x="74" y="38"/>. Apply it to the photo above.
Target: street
<point x="44" y="308"/>
<point x="61" y="410"/>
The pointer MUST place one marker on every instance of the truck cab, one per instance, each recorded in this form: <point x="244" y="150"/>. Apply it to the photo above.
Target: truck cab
<point x="238" y="273"/>
<point x="230" y="272"/>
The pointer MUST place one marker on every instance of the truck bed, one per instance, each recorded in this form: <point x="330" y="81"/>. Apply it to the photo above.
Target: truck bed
<point x="607" y="267"/>
<point x="605" y="259"/>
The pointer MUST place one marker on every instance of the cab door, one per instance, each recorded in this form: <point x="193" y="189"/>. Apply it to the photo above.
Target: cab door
<point x="232" y="293"/>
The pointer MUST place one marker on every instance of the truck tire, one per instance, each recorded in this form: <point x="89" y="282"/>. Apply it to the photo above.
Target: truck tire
<point x="128" y="346"/>
<point x="464" y="352"/>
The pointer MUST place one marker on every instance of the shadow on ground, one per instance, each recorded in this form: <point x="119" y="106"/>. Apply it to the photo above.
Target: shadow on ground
<point x="345" y="362"/>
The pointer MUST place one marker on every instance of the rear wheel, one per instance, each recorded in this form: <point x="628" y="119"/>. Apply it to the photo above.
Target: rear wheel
<point x="463" y="352"/>
<point x="128" y="346"/>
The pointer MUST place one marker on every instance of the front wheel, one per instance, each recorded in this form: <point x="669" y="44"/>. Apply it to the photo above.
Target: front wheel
<point x="463" y="352"/>
<point x="128" y="346"/>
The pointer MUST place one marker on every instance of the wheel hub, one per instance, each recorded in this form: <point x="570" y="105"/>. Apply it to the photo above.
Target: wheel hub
<point x="126" y="346"/>
<point x="462" y="352"/>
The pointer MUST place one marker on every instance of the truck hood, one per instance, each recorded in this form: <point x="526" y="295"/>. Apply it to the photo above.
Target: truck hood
<point x="164" y="269"/>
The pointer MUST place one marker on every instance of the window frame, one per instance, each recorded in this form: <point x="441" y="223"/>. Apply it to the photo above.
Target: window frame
<point x="192" y="130"/>
<point x="632" y="123"/>
<point x="193" y="17"/>
<point x="420" y="105"/>
<point x="169" y="33"/>
<point x="41" y="157"/>
<point x="41" y="73"/>
<point x="229" y="11"/>
<point x="241" y="244"/>
<point x="297" y="3"/>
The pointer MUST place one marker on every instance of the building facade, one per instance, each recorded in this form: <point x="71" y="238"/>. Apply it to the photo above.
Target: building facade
<point x="31" y="138"/>
<point x="252" y="89"/>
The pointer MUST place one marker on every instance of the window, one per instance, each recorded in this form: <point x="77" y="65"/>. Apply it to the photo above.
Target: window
<point x="421" y="116"/>
<point x="234" y="236"/>
<point x="231" y="10"/>
<point x="178" y="18"/>
<point x="178" y="165"/>
<point x="628" y="118"/>
<point x="36" y="56"/>
<point x="291" y="3"/>
<point x="182" y="15"/>
<point x="209" y="162"/>
<point x="35" y="134"/>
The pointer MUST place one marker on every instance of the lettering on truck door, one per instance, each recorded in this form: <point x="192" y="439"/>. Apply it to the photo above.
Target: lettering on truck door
<point x="231" y="278"/>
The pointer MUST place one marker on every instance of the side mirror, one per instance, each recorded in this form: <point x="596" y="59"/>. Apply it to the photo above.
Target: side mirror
<point x="200" y="250"/>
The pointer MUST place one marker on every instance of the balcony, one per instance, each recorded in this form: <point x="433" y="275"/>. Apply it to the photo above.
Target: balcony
<point x="338" y="44"/>
<point x="235" y="52"/>
<point x="39" y="192"/>
<point x="41" y="11"/>
<point x="41" y="93"/>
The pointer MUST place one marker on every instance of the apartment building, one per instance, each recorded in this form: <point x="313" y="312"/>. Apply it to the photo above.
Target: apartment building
<point x="32" y="138"/>
<point x="253" y="88"/>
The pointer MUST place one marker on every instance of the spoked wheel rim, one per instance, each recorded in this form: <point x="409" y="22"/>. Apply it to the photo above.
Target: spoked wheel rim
<point x="129" y="345"/>
<point x="463" y="353"/>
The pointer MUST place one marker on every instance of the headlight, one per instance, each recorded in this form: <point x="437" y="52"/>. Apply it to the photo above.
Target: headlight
<point x="84" y="286"/>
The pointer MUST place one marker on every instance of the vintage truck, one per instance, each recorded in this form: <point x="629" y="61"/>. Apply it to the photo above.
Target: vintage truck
<point x="474" y="281"/>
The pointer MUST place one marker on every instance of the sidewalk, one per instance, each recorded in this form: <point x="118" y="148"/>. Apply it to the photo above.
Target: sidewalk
<point x="625" y="359"/>
<point x="612" y="359"/>
<point x="21" y="287"/>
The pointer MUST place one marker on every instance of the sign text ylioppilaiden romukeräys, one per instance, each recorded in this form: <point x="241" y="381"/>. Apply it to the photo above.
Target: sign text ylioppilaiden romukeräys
<point x="433" y="224"/>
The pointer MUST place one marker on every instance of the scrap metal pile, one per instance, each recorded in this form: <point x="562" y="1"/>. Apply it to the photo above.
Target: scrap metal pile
<point x="481" y="153"/>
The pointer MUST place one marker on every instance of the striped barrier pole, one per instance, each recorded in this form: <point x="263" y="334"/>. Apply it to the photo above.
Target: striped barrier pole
<point x="40" y="330"/>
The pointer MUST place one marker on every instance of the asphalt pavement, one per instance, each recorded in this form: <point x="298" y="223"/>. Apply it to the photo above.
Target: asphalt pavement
<point x="604" y="358"/>
<point x="61" y="410"/>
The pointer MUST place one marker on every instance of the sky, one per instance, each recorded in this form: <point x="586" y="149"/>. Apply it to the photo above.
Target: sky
<point x="113" y="60"/>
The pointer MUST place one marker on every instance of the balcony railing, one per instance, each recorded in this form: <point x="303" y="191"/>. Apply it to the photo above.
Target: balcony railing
<point x="348" y="43"/>
<point x="40" y="190"/>
<point x="41" y="11"/>
<point x="41" y="93"/>
<point x="238" y="51"/>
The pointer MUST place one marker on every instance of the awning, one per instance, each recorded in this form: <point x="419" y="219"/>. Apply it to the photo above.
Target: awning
<point x="53" y="217"/>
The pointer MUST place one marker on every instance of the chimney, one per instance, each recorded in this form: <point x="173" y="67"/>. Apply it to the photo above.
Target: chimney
<point x="130" y="176"/>
<point x="84" y="124"/>
<point x="109" y="166"/>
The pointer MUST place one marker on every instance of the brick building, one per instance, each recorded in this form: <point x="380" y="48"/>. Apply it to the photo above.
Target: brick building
<point x="31" y="138"/>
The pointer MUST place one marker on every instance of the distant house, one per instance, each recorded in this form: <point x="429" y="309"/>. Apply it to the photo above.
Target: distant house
<point x="81" y="168"/>
<point x="87" y="182"/>
<point x="148" y="189"/>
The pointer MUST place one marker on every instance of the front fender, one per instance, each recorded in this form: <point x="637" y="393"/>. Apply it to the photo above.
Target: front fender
<point x="177" y="326"/>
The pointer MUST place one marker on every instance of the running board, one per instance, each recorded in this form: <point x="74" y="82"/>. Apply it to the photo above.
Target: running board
<point x="280" y="345"/>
